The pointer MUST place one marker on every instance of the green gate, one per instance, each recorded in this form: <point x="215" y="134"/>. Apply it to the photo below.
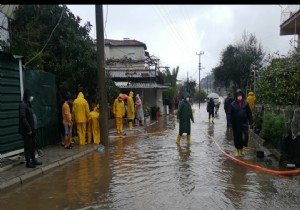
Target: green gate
<point x="43" y="86"/>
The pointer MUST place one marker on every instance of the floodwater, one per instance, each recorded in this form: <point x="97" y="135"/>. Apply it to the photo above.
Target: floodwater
<point x="149" y="171"/>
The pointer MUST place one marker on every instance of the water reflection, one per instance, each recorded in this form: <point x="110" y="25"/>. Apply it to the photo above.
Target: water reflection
<point x="236" y="186"/>
<point x="186" y="173"/>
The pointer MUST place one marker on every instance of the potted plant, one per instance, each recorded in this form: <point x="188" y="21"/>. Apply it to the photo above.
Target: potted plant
<point x="153" y="112"/>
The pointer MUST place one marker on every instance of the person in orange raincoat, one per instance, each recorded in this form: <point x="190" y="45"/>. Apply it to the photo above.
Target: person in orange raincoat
<point x="119" y="112"/>
<point x="80" y="113"/>
<point x="94" y="126"/>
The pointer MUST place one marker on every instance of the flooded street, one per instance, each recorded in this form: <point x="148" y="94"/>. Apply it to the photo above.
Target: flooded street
<point x="151" y="171"/>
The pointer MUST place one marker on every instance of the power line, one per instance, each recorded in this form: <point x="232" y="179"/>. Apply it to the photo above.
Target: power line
<point x="48" y="39"/>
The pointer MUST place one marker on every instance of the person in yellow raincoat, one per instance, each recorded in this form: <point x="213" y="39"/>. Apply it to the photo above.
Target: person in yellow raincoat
<point x="130" y="109"/>
<point x="80" y="113"/>
<point x="119" y="112"/>
<point x="250" y="100"/>
<point x="94" y="126"/>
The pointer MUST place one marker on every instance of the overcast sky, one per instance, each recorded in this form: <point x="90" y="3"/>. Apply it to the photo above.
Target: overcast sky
<point x="175" y="33"/>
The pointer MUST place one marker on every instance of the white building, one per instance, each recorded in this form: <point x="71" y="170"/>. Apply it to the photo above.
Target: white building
<point x="132" y="69"/>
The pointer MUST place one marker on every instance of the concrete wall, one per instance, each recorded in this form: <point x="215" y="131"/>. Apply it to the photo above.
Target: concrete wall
<point x="119" y="52"/>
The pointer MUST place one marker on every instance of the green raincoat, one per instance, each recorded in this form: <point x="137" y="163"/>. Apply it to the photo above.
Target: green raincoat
<point x="185" y="115"/>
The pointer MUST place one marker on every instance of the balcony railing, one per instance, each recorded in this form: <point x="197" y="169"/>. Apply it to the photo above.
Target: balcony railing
<point x="288" y="12"/>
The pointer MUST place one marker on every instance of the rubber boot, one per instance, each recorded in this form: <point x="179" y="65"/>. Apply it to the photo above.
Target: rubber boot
<point x="236" y="152"/>
<point x="34" y="161"/>
<point x="212" y="120"/>
<point x="130" y="125"/>
<point x="188" y="138"/>
<point x="178" y="139"/>
<point x="209" y="120"/>
<point x="241" y="152"/>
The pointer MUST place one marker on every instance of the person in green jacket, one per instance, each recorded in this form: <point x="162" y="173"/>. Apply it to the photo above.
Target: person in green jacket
<point x="184" y="117"/>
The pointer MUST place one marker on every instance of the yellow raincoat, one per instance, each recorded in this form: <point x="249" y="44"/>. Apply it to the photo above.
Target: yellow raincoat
<point x="250" y="100"/>
<point x="130" y="104"/>
<point x="80" y="113"/>
<point x="130" y="109"/>
<point x="119" y="112"/>
<point x="94" y="126"/>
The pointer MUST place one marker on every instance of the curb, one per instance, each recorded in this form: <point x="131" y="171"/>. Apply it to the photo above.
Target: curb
<point x="258" y="141"/>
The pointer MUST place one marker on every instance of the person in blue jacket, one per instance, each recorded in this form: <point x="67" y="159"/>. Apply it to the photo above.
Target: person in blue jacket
<point x="240" y="116"/>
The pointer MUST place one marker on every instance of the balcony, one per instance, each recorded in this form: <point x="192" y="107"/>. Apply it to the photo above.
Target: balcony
<point x="290" y="20"/>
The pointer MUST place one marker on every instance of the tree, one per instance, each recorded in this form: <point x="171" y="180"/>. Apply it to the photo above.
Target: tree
<point x="170" y="78"/>
<point x="278" y="83"/>
<point x="237" y="62"/>
<point x="50" y="38"/>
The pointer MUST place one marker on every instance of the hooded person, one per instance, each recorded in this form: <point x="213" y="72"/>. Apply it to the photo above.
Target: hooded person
<point x="211" y="109"/>
<point x="27" y="128"/>
<point x="130" y="109"/>
<point x="80" y="113"/>
<point x="184" y="117"/>
<point x="94" y="125"/>
<point x="227" y="103"/>
<point x="251" y="100"/>
<point x="240" y="116"/>
<point x="119" y="112"/>
<point x="139" y="110"/>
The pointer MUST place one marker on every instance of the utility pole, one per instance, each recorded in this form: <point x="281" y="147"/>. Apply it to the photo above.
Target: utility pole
<point x="207" y="85"/>
<point x="187" y="82"/>
<point x="201" y="53"/>
<point x="101" y="76"/>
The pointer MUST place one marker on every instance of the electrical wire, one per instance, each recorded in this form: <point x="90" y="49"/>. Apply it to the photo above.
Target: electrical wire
<point x="48" y="39"/>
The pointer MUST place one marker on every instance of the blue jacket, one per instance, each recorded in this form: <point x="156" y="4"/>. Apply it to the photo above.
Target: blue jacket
<point x="240" y="116"/>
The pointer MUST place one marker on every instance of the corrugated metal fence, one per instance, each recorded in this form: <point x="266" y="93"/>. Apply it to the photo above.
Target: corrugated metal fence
<point x="10" y="97"/>
<point x="43" y="87"/>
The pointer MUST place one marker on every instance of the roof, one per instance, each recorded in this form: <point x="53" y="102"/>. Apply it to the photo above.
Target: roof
<point x="125" y="42"/>
<point x="140" y="85"/>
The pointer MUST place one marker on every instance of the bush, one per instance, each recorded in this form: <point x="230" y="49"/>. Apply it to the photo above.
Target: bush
<point x="273" y="128"/>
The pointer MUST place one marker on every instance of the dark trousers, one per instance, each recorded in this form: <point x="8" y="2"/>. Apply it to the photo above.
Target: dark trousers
<point x="211" y="114"/>
<point x="29" y="147"/>
<point x="240" y="136"/>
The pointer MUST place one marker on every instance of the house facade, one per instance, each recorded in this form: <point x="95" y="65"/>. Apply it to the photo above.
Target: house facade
<point x="132" y="69"/>
<point x="290" y="22"/>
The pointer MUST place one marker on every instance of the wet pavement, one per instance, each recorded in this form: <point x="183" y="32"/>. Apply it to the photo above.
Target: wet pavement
<point x="14" y="172"/>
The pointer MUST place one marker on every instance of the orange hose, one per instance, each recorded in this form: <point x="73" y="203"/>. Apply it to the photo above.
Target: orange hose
<point x="256" y="167"/>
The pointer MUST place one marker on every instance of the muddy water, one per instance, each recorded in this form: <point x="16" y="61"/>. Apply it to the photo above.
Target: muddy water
<point x="152" y="172"/>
